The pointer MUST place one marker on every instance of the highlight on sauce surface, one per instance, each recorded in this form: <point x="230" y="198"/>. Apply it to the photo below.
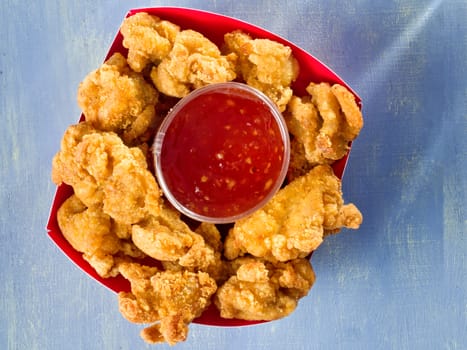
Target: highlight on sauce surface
<point x="222" y="152"/>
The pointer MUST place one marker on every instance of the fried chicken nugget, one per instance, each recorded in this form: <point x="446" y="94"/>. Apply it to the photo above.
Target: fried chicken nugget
<point x="148" y="39"/>
<point x="204" y="255"/>
<point x="211" y="235"/>
<point x="294" y="222"/>
<point x="168" y="239"/>
<point x="322" y="125"/>
<point x="90" y="231"/>
<point x="115" y="98"/>
<point x="168" y="299"/>
<point x="67" y="168"/>
<point x="264" y="64"/>
<point x="260" y="290"/>
<point x="349" y="108"/>
<point x="193" y="62"/>
<point x="161" y="240"/>
<point x="341" y="118"/>
<point x="303" y="122"/>
<point x="131" y="192"/>
<point x="103" y="170"/>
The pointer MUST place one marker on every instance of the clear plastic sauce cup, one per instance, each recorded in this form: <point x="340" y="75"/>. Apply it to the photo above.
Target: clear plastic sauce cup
<point x="222" y="152"/>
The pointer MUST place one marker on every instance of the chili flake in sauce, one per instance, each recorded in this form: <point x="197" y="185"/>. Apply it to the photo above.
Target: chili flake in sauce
<point x="222" y="153"/>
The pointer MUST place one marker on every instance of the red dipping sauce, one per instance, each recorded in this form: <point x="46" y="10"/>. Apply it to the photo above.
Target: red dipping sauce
<point x="222" y="152"/>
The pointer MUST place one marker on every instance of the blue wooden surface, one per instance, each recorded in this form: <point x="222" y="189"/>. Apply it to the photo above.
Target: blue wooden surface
<point x="400" y="282"/>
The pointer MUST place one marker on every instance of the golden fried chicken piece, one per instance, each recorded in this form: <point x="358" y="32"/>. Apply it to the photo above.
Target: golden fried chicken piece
<point x="293" y="223"/>
<point x="211" y="235"/>
<point x="349" y="108"/>
<point x="169" y="299"/>
<point x="264" y="64"/>
<point x="304" y="123"/>
<point x="103" y="170"/>
<point x="298" y="164"/>
<point x="322" y="125"/>
<point x="114" y="98"/>
<point x="131" y="193"/>
<point x="90" y="231"/>
<point x="67" y="167"/>
<point x="341" y="118"/>
<point x="203" y="255"/>
<point x="141" y="305"/>
<point x="161" y="242"/>
<point x="148" y="39"/>
<point x="168" y="239"/>
<point x="194" y="62"/>
<point x="260" y="290"/>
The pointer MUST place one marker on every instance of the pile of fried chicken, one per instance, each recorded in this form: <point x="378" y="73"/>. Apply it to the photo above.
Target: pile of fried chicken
<point x="118" y="216"/>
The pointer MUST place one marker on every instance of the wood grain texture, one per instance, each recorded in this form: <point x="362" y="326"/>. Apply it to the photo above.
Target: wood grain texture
<point x="400" y="282"/>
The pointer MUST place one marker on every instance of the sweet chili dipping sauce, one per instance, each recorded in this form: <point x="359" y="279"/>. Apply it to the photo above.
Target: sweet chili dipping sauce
<point x="222" y="152"/>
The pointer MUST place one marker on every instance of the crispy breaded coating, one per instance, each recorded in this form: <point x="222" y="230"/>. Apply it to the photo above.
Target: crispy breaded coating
<point x="169" y="299"/>
<point x="168" y="239"/>
<point x="148" y="39"/>
<point x="322" y="125"/>
<point x="204" y="255"/>
<point x="90" y="231"/>
<point x="67" y="166"/>
<point x="264" y="64"/>
<point x="304" y="123"/>
<point x="115" y="98"/>
<point x="260" y="290"/>
<point x="211" y="235"/>
<point x="349" y="108"/>
<point x="141" y="305"/>
<point x="104" y="171"/>
<point x="293" y="223"/>
<point x="298" y="164"/>
<point x="131" y="193"/>
<point x="194" y="62"/>
<point x="341" y="118"/>
<point x="162" y="242"/>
